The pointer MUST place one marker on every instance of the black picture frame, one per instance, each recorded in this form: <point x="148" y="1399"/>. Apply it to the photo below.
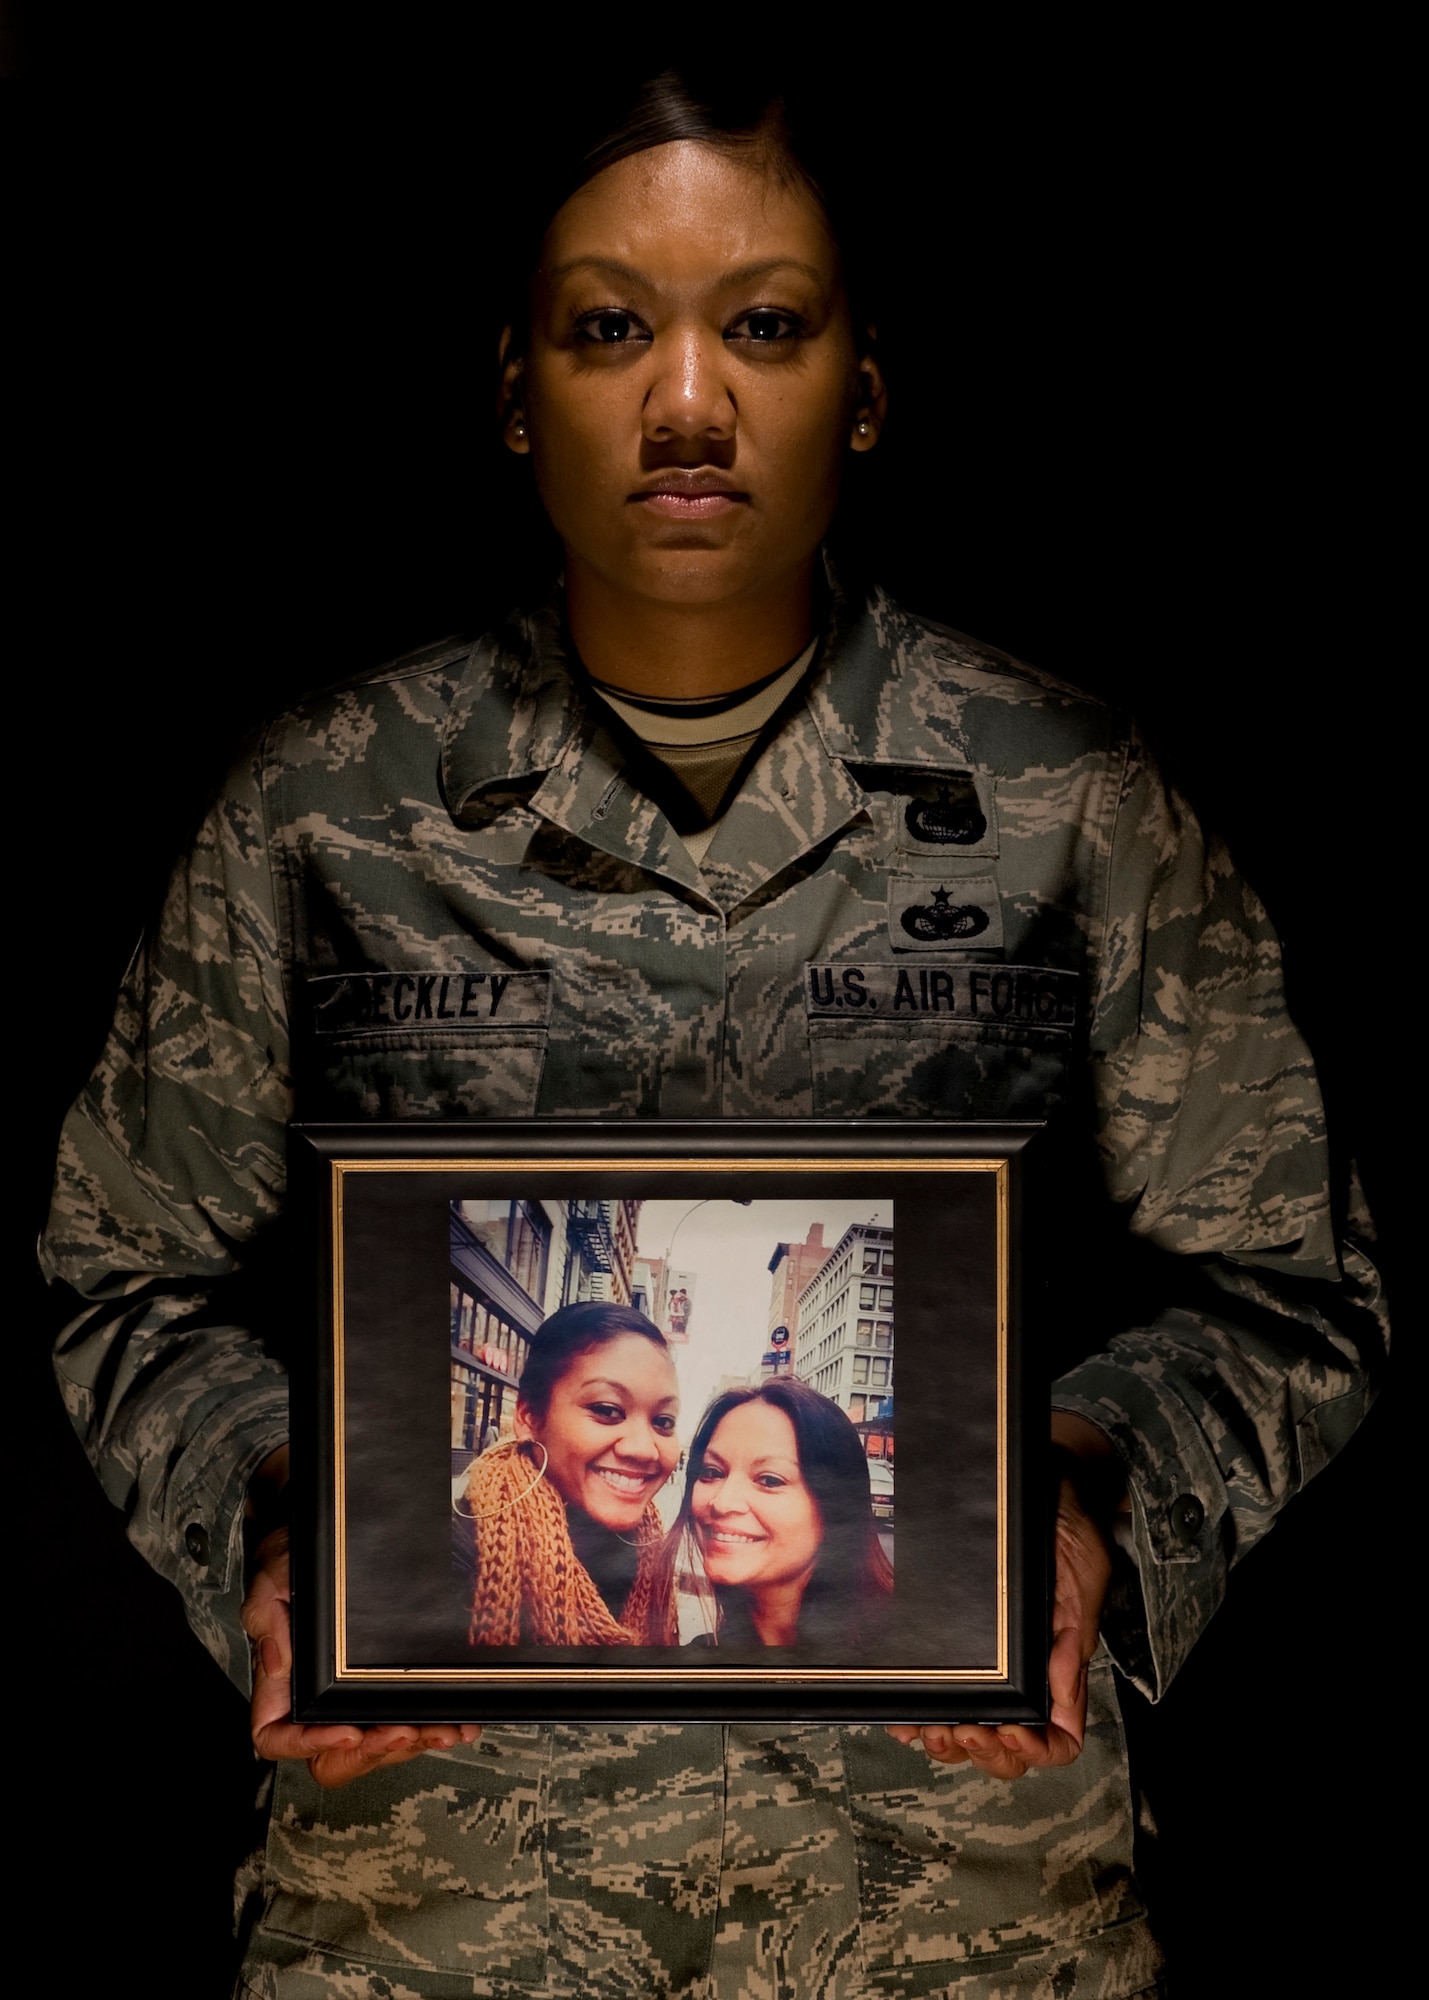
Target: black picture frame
<point x="377" y="1606"/>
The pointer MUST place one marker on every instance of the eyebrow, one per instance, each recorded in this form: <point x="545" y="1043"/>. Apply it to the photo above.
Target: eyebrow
<point x="611" y="267"/>
<point x="755" y="1464"/>
<point x="606" y="1382"/>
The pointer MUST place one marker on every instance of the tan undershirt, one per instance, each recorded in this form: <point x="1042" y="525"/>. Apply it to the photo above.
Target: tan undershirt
<point x="704" y="753"/>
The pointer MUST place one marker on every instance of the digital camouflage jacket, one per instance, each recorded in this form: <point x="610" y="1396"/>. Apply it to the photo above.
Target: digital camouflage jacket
<point x="441" y="890"/>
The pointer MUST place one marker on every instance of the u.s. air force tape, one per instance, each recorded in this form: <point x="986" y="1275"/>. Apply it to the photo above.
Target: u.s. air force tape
<point x="348" y="1003"/>
<point x="1033" y="994"/>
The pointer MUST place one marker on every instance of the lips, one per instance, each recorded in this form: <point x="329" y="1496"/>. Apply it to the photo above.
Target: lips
<point x="691" y="496"/>
<point x="726" y="1538"/>
<point x="630" y="1485"/>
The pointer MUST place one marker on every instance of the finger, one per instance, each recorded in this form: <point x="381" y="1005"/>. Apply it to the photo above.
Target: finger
<point x="439" y="1736"/>
<point x="264" y="1608"/>
<point x="1067" y="1684"/>
<point x="983" y="1748"/>
<point x="362" y="1749"/>
<point x="272" y="1686"/>
<point x="1040" y="1749"/>
<point x="936" y="1738"/>
<point x="276" y="1741"/>
<point x="340" y="1766"/>
<point x="903" y="1732"/>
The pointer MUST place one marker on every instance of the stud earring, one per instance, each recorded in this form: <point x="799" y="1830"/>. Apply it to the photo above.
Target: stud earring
<point x="519" y="429"/>
<point x="863" y="427"/>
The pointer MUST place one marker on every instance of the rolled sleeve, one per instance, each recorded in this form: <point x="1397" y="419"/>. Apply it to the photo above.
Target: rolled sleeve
<point x="1170" y="1579"/>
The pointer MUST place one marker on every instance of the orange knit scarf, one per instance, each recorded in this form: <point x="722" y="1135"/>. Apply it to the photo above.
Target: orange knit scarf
<point x="532" y="1587"/>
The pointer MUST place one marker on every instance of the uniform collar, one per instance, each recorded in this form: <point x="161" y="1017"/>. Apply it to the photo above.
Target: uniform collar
<point x="514" y="709"/>
<point x="893" y="689"/>
<point x="888" y="689"/>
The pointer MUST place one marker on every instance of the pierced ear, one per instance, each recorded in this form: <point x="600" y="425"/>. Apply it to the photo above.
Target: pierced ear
<point x="871" y="406"/>
<point x="514" y="434"/>
<point x="521" y="1424"/>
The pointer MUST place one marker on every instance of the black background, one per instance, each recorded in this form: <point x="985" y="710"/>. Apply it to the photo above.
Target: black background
<point x="1136" y="353"/>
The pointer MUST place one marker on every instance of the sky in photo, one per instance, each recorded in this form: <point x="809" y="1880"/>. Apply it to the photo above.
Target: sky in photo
<point x="729" y="1248"/>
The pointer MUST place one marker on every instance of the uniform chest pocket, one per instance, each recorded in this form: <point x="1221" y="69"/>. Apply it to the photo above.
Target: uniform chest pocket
<point x="433" y="1866"/>
<point x="428" y="1044"/>
<point x="958" y="1041"/>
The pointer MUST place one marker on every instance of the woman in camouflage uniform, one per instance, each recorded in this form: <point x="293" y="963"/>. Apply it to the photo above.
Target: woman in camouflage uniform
<point x="675" y="844"/>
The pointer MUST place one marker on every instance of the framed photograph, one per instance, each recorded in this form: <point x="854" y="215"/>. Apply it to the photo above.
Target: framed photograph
<point x="707" y="1422"/>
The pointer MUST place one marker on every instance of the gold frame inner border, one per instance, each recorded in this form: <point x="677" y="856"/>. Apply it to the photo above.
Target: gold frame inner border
<point x="931" y="1678"/>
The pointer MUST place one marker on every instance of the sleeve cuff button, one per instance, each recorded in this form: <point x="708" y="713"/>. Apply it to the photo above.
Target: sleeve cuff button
<point x="1187" y="1518"/>
<point x="196" y="1542"/>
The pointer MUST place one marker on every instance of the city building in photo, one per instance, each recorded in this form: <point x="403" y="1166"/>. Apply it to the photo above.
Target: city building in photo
<point x="791" y="1266"/>
<point x="512" y="1264"/>
<point x="843" y="1339"/>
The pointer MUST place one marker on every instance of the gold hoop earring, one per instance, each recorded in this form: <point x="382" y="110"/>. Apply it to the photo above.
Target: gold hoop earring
<point x="524" y="1494"/>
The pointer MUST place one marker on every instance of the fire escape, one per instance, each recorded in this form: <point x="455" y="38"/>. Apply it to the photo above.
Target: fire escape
<point x="588" y="1227"/>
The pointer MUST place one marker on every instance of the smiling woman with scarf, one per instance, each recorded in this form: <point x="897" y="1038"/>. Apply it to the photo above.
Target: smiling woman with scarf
<point x="567" y="1536"/>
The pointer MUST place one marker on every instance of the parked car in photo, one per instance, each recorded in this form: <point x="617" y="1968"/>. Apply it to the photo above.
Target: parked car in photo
<point x="880" y="1480"/>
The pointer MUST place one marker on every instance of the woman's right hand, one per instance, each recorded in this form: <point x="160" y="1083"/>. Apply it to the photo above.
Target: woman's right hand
<point x="335" y="1753"/>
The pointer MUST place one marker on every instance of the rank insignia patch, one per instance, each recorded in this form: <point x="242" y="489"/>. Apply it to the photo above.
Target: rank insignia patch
<point x="961" y="914"/>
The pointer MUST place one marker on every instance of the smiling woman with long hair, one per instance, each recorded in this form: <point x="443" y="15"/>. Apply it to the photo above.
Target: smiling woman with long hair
<point x="778" y="1512"/>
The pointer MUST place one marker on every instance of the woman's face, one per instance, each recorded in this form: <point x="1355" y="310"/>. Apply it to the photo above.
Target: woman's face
<point x="609" y="1430"/>
<point x="757" y="1523"/>
<point x="692" y="383"/>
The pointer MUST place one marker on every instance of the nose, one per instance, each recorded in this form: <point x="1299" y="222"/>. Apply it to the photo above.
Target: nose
<point x="640" y="1443"/>
<point x="690" y="396"/>
<point x="730" y="1497"/>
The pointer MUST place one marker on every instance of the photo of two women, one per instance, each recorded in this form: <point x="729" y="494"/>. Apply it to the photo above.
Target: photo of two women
<point x="674" y="1465"/>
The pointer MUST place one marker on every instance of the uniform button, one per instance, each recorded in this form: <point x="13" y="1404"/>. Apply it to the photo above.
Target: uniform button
<point x="196" y="1542"/>
<point x="1187" y="1517"/>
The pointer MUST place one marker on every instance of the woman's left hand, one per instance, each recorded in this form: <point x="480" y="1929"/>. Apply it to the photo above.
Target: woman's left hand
<point x="1083" y="1570"/>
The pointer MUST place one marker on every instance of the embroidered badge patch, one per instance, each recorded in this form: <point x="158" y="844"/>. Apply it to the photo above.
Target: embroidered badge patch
<point x="945" y="812"/>
<point x="951" y="818"/>
<point x="962" y="913"/>
<point x="430" y="1002"/>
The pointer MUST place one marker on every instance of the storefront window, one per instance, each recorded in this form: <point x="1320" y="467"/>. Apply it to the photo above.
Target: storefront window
<point x="526" y="1252"/>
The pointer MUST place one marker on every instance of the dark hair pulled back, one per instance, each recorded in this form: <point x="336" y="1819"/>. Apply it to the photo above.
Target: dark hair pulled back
<point x="733" y="105"/>
<point x="570" y="1332"/>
